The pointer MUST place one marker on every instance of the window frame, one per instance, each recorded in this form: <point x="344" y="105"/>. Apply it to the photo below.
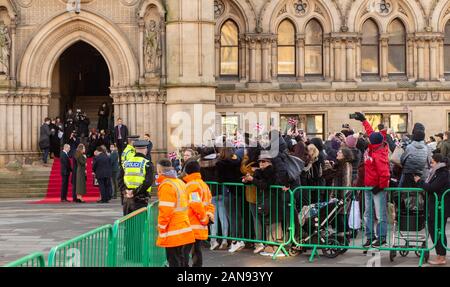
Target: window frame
<point x="386" y="120"/>
<point x="446" y="73"/>
<point x="404" y="46"/>
<point x="305" y="115"/>
<point x="377" y="45"/>
<point x="286" y="46"/>
<point x="229" y="76"/>
<point x="315" y="75"/>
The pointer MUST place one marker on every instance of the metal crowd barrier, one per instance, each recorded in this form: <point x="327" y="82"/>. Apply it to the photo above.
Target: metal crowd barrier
<point x="244" y="213"/>
<point x="92" y="249"/>
<point x="443" y="220"/>
<point x="33" y="260"/>
<point x="156" y="255"/>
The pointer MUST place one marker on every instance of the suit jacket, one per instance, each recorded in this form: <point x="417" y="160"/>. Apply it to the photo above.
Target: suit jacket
<point x="123" y="132"/>
<point x="102" y="166"/>
<point x="66" y="167"/>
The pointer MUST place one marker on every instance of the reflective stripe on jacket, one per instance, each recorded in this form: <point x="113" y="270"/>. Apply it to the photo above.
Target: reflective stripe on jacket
<point x="128" y="152"/>
<point x="134" y="172"/>
<point x="173" y="221"/>
<point x="199" y="205"/>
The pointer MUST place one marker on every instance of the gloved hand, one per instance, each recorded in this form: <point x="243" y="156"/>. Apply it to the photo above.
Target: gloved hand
<point x="377" y="190"/>
<point x="360" y="117"/>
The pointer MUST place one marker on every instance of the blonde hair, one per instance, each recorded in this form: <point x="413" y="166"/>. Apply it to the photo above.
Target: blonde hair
<point x="313" y="151"/>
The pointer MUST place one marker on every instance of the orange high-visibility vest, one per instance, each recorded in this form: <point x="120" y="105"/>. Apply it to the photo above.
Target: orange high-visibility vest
<point x="173" y="221"/>
<point x="200" y="205"/>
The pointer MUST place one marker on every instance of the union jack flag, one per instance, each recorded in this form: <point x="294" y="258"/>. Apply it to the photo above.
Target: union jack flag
<point x="172" y="155"/>
<point x="259" y="127"/>
<point x="237" y="142"/>
<point x="292" y="122"/>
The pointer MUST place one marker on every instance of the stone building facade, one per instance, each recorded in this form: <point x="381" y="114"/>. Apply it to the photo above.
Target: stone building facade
<point x="313" y="60"/>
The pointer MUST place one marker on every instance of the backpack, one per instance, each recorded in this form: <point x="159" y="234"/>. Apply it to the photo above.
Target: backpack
<point x="294" y="166"/>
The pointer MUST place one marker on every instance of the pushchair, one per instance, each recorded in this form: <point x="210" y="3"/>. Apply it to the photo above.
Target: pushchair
<point x="323" y="223"/>
<point x="409" y="217"/>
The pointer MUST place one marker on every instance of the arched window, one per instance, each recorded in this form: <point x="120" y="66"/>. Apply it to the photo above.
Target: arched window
<point x="369" y="48"/>
<point x="397" y="48"/>
<point x="447" y="48"/>
<point x="229" y="49"/>
<point x="286" y="48"/>
<point x="313" y="48"/>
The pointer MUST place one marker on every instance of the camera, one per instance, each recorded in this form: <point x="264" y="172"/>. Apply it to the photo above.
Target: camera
<point x="353" y="116"/>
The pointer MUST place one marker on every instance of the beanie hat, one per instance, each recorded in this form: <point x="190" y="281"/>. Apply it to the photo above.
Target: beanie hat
<point x="418" y="136"/>
<point x="335" y="144"/>
<point x="417" y="127"/>
<point x="318" y="143"/>
<point x="351" y="141"/>
<point x="376" y="138"/>
<point x="192" y="166"/>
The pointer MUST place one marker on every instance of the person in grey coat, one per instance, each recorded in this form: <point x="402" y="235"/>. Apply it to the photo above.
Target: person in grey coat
<point x="44" y="139"/>
<point x="415" y="160"/>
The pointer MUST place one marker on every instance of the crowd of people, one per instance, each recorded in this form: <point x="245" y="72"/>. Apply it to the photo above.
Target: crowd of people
<point x="376" y="159"/>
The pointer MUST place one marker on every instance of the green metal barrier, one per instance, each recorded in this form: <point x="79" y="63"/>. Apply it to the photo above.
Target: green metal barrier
<point x="92" y="249"/>
<point x="157" y="255"/>
<point x="33" y="260"/>
<point x="324" y="215"/>
<point x="441" y="231"/>
<point x="264" y="219"/>
<point x="131" y="240"/>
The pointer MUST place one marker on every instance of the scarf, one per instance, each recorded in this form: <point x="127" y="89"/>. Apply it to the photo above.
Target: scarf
<point x="434" y="169"/>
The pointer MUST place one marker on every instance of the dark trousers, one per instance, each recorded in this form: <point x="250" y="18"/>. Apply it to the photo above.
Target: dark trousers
<point x="176" y="256"/>
<point x="45" y="152"/>
<point x="120" y="148"/>
<point x="64" y="186"/>
<point x="105" y="188"/>
<point x="196" y="252"/>
<point x="115" y="184"/>
<point x="440" y="248"/>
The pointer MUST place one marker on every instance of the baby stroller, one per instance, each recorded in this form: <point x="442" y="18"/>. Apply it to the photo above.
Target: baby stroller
<point x="322" y="224"/>
<point x="409" y="217"/>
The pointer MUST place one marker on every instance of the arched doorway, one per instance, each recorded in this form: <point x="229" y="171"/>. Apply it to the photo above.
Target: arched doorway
<point x="80" y="80"/>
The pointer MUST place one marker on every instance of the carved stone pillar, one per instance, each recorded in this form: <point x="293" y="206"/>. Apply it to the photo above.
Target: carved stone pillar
<point x="337" y="60"/>
<point x="410" y="57"/>
<point x="141" y="24"/>
<point x="242" y="58"/>
<point x="300" y="69"/>
<point x="434" y="68"/>
<point x="358" y="58"/>
<point x="13" y="54"/>
<point x="3" y="119"/>
<point x="421" y="59"/>
<point x="217" y="57"/>
<point x="326" y="64"/>
<point x="35" y="122"/>
<point x="350" y="46"/>
<point x="252" y="46"/>
<point x="343" y="65"/>
<point x="265" y="59"/>
<point x="441" y="59"/>
<point x="274" y="58"/>
<point x="384" y="57"/>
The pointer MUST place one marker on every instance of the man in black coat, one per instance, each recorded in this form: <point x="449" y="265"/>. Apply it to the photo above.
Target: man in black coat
<point x="66" y="169"/>
<point x="120" y="136"/>
<point x="103" y="172"/>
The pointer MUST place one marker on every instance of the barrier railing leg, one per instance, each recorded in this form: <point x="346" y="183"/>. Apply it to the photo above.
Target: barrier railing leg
<point x="422" y="255"/>
<point x="280" y="248"/>
<point x="313" y="254"/>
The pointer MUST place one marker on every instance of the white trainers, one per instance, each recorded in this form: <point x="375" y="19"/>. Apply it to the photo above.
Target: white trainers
<point x="258" y="248"/>
<point x="224" y="245"/>
<point x="236" y="246"/>
<point x="214" y="245"/>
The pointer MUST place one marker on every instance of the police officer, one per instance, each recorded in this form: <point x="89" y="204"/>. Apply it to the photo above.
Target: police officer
<point x="136" y="179"/>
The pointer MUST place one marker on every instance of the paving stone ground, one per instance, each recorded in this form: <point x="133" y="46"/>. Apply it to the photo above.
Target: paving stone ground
<point x="27" y="228"/>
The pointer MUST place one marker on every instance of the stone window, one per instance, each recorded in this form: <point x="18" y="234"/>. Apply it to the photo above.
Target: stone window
<point x="370" y="48"/>
<point x="286" y="49"/>
<point x="313" y="48"/>
<point x="447" y="48"/>
<point x="312" y="124"/>
<point x="230" y="124"/>
<point x="397" y="122"/>
<point x="229" y="49"/>
<point x="397" y="48"/>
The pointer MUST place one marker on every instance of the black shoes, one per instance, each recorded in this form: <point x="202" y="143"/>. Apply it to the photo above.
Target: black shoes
<point x="102" y="201"/>
<point x="378" y="242"/>
<point x="368" y="243"/>
<point x="64" y="200"/>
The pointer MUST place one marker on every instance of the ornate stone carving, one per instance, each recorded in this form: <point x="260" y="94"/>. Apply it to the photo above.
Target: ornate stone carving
<point x="152" y="47"/>
<point x="219" y="8"/>
<point x="282" y="11"/>
<point x="382" y="7"/>
<point x="301" y="7"/>
<point x="318" y="10"/>
<point x="5" y="48"/>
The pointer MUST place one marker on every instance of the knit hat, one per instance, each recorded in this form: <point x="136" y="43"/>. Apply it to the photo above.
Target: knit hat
<point x="417" y="127"/>
<point x="351" y="141"/>
<point x="335" y="144"/>
<point x="192" y="166"/>
<point x="418" y="136"/>
<point x="376" y="138"/>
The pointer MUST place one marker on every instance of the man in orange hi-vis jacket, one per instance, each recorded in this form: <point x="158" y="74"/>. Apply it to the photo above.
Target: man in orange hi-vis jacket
<point x="201" y="210"/>
<point x="175" y="232"/>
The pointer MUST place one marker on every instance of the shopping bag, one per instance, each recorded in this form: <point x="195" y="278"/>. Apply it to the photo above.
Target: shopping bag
<point x="354" y="218"/>
<point x="396" y="156"/>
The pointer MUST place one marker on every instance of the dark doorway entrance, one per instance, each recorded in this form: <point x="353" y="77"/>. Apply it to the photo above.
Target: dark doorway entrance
<point x="84" y="81"/>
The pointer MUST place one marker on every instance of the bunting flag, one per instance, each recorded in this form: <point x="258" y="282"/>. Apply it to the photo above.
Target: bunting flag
<point x="292" y="122"/>
<point x="259" y="127"/>
<point x="172" y="155"/>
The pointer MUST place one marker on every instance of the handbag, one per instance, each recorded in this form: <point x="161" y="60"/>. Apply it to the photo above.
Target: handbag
<point x="354" y="217"/>
<point x="396" y="155"/>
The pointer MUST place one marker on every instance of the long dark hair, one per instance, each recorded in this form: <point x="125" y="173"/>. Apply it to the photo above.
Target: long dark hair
<point x="439" y="158"/>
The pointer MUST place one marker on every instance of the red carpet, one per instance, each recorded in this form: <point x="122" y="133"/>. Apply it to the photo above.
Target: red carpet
<point x="55" y="182"/>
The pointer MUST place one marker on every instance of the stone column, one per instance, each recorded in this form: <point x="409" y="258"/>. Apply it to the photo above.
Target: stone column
<point x="131" y="112"/>
<point x="163" y="49"/>
<point x="434" y="68"/>
<point x="217" y="57"/>
<point x="358" y="58"/>
<point x="326" y="56"/>
<point x="300" y="56"/>
<point x="274" y="58"/>
<point x="242" y="56"/>
<point x="25" y="123"/>
<point x="10" y="123"/>
<point x="34" y="123"/>
<point x="141" y="49"/>
<point x="13" y="53"/>
<point x="421" y="59"/>
<point x="252" y="46"/>
<point x="410" y="58"/>
<point x="441" y="59"/>
<point x="350" y="60"/>
<point x="337" y="61"/>
<point x="190" y="80"/>
<point x="3" y="119"/>
<point x="17" y="124"/>
<point x="384" y="58"/>
<point x="343" y="61"/>
<point x="265" y="59"/>
<point x="332" y="63"/>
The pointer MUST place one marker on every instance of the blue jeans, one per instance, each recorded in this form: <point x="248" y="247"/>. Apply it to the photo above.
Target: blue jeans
<point x="380" y="213"/>
<point x="257" y="221"/>
<point x="220" y="213"/>
<point x="45" y="152"/>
